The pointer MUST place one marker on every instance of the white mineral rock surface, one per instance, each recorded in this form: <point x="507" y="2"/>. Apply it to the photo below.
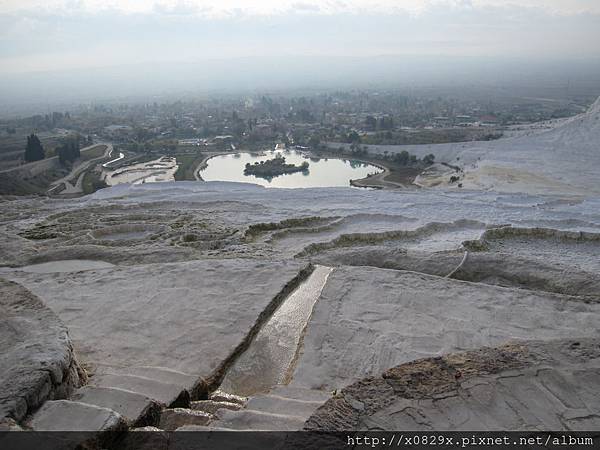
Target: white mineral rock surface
<point x="184" y="276"/>
<point x="373" y="319"/>
<point x="186" y="316"/>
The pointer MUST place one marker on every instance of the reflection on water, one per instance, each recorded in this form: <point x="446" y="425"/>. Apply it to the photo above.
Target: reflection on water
<point x="322" y="172"/>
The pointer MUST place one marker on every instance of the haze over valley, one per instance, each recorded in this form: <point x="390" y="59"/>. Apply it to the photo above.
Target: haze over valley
<point x="282" y="216"/>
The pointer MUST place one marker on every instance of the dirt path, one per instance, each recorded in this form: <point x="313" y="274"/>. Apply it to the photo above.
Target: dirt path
<point x="378" y="181"/>
<point x="78" y="173"/>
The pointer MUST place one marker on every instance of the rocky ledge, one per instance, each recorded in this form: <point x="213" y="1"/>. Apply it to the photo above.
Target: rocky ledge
<point x="518" y="386"/>
<point x="38" y="362"/>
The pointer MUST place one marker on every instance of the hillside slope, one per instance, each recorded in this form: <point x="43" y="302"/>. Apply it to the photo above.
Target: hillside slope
<point x="561" y="160"/>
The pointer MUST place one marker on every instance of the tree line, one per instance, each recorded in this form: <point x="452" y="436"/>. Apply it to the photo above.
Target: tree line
<point x="67" y="152"/>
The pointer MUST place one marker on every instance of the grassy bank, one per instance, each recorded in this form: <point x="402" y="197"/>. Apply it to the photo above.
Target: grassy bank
<point x="187" y="163"/>
<point x="94" y="152"/>
<point x="92" y="182"/>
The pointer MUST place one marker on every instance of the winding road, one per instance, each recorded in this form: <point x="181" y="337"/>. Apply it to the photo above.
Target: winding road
<point x="79" y="173"/>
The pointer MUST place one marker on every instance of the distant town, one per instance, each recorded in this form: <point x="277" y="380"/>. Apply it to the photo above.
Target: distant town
<point x="341" y="121"/>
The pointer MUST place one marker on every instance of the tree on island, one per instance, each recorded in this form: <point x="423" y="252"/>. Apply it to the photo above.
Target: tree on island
<point x="34" y="151"/>
<point x="273" y="168"/>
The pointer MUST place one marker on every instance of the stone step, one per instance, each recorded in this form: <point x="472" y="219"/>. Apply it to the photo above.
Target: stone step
<point x="162" y="374"/>
<point x="171" y="419"/>
<point x="67" y="415"/>
<point x="137" y="409"/>
<point x="211" y="406"/>
<point x="300" y="393"/>
<point x="258" y="421"/>
<point x="221" y="396"/>
<point x="168" y="394"/>
<point x="276" y="404"/>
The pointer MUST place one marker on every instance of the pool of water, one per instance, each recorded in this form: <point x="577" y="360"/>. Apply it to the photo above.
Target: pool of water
<point x="322" y="172"/>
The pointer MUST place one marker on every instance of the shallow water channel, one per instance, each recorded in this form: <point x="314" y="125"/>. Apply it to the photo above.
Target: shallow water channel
<point x="271" y="356"/>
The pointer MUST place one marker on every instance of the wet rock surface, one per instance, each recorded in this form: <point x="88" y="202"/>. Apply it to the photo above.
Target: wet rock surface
<point x="220" y="396"/>
<point x="273" y="352"/>
<point x="211" y="406"/>
<point x="284" y="408"/>
<point x="171" y="419"/>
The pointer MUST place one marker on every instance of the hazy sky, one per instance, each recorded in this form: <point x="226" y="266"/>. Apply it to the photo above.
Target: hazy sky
<point x="45" y="35"/>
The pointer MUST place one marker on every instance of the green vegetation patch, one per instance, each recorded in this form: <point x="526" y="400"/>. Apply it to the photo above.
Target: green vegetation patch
<point x="273" y="168"/>
<point x="419" y="137"/>
<point x="187" y="163"/>
<point x="94" y="152"/>
<point x="92" y="182"/>
<point x="258" y="228"/>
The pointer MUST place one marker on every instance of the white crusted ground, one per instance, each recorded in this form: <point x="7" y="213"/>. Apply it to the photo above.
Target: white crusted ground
<point x="194" y="264"/>
<point x="185" y="316"/>
<point x="368" y="320"/>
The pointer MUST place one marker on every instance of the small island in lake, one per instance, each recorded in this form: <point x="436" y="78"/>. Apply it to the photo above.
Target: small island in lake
<point x="273" y="167"/>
